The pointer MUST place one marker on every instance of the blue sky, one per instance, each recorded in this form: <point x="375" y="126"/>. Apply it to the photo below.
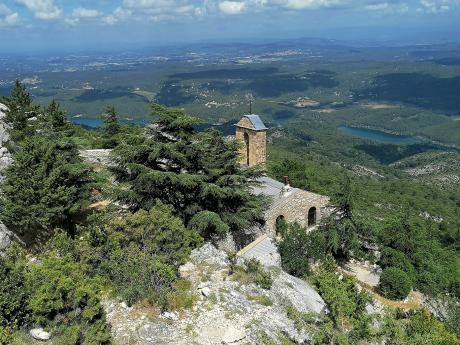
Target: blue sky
<point x="91" y="24"/>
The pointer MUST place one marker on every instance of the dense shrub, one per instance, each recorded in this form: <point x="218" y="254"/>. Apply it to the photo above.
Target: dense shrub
<point x="262" y="277"/>
<point x="395" y="283"/>
<point x="13" y="293"/>
<point x="139" y="253"/>
<point x="252" y="272"/>
<point x="345" y="302"/>
<point x="394" y="258"/>
<point x="45" y="187"/>
<point x="64" y="299"/>
<point x="297" y="246"/>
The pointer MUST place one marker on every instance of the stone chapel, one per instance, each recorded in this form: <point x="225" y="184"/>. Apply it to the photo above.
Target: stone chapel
<point x="287" y="203"/>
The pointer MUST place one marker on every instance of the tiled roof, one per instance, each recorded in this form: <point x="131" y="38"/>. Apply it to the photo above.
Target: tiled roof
<point x="273" y="189"/>
<point x="256" y="122"/>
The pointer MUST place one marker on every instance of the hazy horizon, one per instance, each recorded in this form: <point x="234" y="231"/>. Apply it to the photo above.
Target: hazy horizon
<point x="40" y="26"/>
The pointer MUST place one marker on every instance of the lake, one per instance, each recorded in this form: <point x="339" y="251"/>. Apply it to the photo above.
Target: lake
<point x="97" y="122"/>
<point x="379" y="136"/>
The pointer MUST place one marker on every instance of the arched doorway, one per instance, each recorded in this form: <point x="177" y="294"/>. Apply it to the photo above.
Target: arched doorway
<point x="246" y="142"/>
<point x="312" y="216"/>
<point x="280" y="226"/>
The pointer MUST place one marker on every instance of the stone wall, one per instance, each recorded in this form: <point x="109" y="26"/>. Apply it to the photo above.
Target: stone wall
<point x="257" y="143"/>
<point x="294" y="208"/>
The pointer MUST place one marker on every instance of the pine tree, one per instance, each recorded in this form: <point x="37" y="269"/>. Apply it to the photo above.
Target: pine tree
<point x="20" y="110"/>
<point x="44" y="188"/>
<point x="197" y="173"/>
<point x="111" y="127"/>
<point x="55" y="117"/>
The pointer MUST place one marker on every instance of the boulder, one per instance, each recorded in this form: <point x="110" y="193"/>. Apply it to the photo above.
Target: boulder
<point x="205" y="291"/>
<point x="298" y="293"/>
<point x="99" y="156"/>
<point x="210" y="255"/>
<point x="5" y="238"/>
<point x="40" y="334"/>
<point x="233" y="335"/>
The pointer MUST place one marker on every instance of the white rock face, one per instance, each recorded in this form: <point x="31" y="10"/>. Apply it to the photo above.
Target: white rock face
<point x="208" y="254"/>
<point x="298" y="293"/>
<point x="233" y="335"/>
<point x="5" y="156"/>
<point x="100" y="156"/>
<point x="5" y="160"/>
<point x="231" y="316"/>
<point x="5" y="237"/>
<point x="40" y="334"/>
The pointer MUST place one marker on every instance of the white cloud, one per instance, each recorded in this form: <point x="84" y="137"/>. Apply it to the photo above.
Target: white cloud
<point x="120" y="14"/>
<point x="232" y="7"/>
<point x="387" y="7"/>
<point x="42" y="9"/>
<point x="306" y="4"/>
<point x="8" y="17"/>
<point x="156" y="10"/>
<point x="437" y="6"/>
<point x="82" y="12"/>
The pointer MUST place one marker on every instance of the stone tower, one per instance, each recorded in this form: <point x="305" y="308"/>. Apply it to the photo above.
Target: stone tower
<point x="252" y="134"/>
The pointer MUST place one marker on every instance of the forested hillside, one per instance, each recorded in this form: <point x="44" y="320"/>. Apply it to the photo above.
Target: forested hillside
<point x="87" y="233"/>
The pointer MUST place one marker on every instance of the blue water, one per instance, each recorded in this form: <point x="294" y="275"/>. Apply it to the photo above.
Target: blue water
<point x="379" y="135"/>
<point x="94" y="123"/>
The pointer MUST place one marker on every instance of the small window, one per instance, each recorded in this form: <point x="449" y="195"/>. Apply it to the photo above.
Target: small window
<point x="280" y="226"/>
<point x="312" y="216"/>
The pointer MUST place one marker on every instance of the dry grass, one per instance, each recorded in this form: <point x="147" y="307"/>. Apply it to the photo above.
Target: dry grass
<point x="100" y="205"/>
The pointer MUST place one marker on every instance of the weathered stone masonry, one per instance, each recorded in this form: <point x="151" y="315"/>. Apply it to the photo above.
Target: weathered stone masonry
<point x="252" y="134"/>
<point x="290" y="204"/>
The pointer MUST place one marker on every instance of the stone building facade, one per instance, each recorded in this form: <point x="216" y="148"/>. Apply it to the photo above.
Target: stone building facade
<point x="252" y="134"/>
<point x="290" y="204"/>
<point x="293" y="205"/>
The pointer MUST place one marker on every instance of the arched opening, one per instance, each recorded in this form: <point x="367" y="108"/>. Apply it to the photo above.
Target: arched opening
<point x="312" y="216"/>
<point x="246" y="142"/>
<point x="280" y="226"/>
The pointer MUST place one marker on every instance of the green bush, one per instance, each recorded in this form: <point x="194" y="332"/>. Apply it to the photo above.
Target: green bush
<point x="139" y="253"/>
<point x="395" y="283"/>
<point x="294" y="250"/>
<point x="261" y="277"/>
<point x="5" y="335"/>
<point x="13" y="294"/>
<point x="394" y="258"/>
<point x="252" y="272"/>
<point x="63" y="298"/>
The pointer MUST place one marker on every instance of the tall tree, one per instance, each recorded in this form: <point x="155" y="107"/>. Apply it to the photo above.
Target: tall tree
<point x="44" y="188"/>
<point x="197" y="173"/>
<point x="344" y="235"/>
<point x="55" y="117"/>
<point x="20" y="110"/>
<point x="111" y="127"/>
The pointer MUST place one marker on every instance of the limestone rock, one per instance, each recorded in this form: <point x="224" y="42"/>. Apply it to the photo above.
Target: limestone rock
<point x="186" y="270"/>
<point x="205" y="291"/>
<point x="210" y="255"/>
<point x="299" y="293"/>
<point x="5" y="237"/>
<point x="100" y="156"/>
<point x="233" y="335"/>
<point x="40" y="334"/>
<point x="5" y="156"/>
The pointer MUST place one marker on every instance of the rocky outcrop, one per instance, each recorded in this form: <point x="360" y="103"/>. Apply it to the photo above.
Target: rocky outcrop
<point x="5" y="160"/>
<point x="40" y="334"/>
<point x="228" y="310"/>
<point x="99" y="156"/>
<point x="5" y="156"/>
